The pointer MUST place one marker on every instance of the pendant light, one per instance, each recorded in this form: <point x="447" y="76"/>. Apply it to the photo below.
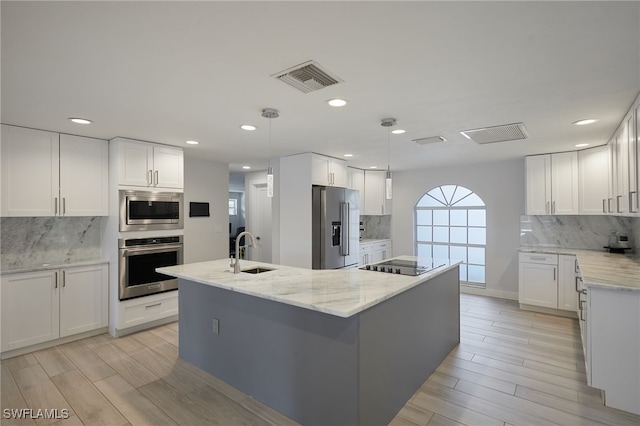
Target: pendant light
<point x="388" y="183"/>
<point x="270" y="113"/>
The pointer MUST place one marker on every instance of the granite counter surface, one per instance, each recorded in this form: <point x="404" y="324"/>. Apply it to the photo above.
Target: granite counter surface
<point x="600" y="268"/>
<point x="341" y="292"/>
<point x="53" y="265"/>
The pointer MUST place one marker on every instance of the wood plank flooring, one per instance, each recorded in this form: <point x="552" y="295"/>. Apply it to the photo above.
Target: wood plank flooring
<point x="512" y="367"/>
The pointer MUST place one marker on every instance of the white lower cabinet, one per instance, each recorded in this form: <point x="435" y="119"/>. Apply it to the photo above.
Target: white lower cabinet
<point x="41" y="306"/>
<point x="142" y="310"/>
<point x="567" y="283"/>
<point x="372" y="252"/>
<point x="538" y="280"/>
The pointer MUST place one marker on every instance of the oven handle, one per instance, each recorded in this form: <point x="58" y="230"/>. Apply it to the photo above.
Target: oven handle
<point x="136" y="251"/>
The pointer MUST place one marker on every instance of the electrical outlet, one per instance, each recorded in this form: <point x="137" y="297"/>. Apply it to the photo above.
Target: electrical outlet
<point x="216" y="326"/>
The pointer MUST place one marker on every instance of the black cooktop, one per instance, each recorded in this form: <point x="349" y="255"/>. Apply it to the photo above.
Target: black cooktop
<point x="404" y="267"/>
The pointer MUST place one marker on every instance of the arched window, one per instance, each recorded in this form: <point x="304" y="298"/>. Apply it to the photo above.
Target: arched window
<point x="450" y="223"/>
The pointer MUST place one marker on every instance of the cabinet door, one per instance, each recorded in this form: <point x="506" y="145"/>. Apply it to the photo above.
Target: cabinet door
<point x="320" y="169"/>
<point x="135" y="163"/>
<point x="30" y="309"/>
<point x="84" y="176"/>
<point x="83" y="299"/>
<point x="538" y="174"/>
<point x="339" y="175"/>
<point x="622" y="170"/>
<point x="538" y="285"/>
<point x="168" y="165"/>
<point x="564" y="183"/>
<point x="567" y="294"/>
<point x="356" y="181"/>
<point x="374" y="201"/>
<point x="611" y="150"/>
<point x="632" y="125"/>
<point x="30" y="172"/>
<point x="593" y="184"/>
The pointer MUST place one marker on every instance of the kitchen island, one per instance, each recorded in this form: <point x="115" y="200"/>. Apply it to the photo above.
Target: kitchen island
<point x="324" y="347"/>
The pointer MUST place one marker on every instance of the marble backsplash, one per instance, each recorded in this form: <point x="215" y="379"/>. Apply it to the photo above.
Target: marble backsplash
<point x="376" y="227"/>
<point x="579" y="232"/>
<point x="32" y="241"/>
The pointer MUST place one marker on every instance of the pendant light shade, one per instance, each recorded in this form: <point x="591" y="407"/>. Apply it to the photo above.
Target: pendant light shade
<point x="388" y="182"/>
<point x="270" y="113"/>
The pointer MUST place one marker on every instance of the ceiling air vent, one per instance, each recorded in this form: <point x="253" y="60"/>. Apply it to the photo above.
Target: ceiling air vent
<point x="307" y="77"/>
<point x="429" y="140"/>
<point x="506" y="132"/>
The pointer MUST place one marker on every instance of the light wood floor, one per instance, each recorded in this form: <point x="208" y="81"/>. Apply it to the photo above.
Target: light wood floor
<point x="511" y="367"/>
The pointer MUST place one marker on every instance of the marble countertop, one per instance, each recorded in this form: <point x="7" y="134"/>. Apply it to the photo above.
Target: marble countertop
<point x="373" y="240"/>
<point x="49" y="266"/>
<point x="341" y="292"/>
<point x="600" y="268"/>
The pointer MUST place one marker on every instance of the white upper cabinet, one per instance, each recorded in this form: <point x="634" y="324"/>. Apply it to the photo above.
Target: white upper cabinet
<point x="593" y="185"/>
<point x="634" y="159"/>
<point x="148" y="165"/>
<point x="375" y="203"/>
<point x="84" y="176"/>
<point x="48" y="174"/>
<point x="552" y="183"/>
<point x="621" y="168"/>
<point x="356" y="181"/>
<point x="328" y="171"/>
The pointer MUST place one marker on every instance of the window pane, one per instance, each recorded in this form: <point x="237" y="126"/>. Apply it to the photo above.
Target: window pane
<point x="458" y="235"/>
<point x="448" y="190"/>
<point x="441" y="234"/>
<point x="423" y="217"/>
<point x="424" y="233"/>
<point x="427" y="201"/>
<point x="463" y="272"/>
<point x="441" y="217"/>
<point x="440" y="252"/>
<point x="477" y="236"/>
<point x="476" y="274"/>
<point x="476" y="255"/>
<point x="458" y="217"/>
<point x="461" y="192"/>
<point x="471" y="200"/>
<point x="458" y="253"/>
<point x="477" y="218"/>
<point x="424" y="250"/>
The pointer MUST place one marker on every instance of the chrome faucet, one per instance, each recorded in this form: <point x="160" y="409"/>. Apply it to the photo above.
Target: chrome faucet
<point x="235" y="263"/>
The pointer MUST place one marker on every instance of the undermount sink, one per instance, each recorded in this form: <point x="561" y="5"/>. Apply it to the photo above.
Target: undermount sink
<point x="257" y="270"/>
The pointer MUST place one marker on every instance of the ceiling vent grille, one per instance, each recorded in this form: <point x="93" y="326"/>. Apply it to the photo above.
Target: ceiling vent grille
<point x="430" y="140"/>
<point x="308" y="77"/>
<point x="506" y="132"/>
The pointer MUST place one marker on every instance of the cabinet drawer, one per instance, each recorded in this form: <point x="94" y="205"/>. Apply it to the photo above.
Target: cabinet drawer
<point x="144" y="312"/>
<point x="366" y="247"/>
<point x="382" y="245"/>
<point x="544" y="258"/>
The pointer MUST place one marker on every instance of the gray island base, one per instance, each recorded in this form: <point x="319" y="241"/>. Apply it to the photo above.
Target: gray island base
<point x="319" y="368"/>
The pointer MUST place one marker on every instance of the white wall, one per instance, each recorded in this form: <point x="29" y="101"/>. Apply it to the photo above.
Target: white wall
<point x="206" y="238"/>
<point x="502" y="187"/>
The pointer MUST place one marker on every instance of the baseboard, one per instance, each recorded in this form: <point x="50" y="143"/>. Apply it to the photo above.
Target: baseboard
<point x="550" y="311"/>
<point x="500" y="294"/>
<point x="52" y="343"/>
<point x="123" y="332"/>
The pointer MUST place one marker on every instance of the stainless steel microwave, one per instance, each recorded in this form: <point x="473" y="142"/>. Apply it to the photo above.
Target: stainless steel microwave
<point x="148" y="210"/>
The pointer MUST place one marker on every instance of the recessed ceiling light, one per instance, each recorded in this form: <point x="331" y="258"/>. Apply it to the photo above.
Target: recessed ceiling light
<point x="585" y="121"/>
<point x="337" y="102"/>
<point x="348" y="155"/>
<point x="246" y="167"/>
<point x="398" y="131"/>
<point x="79" y="120"/>
<point x="192" y="142"/>
<point x="248" y="127"/>
<point x="373" y="167"/>
<point x="581" y="145"/>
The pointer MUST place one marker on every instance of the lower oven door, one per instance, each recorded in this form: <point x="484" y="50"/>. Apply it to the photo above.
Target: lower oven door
<point x="137" y="270"/>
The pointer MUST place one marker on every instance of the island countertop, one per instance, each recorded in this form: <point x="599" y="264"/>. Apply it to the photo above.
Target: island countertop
<point x="340" y="292"/>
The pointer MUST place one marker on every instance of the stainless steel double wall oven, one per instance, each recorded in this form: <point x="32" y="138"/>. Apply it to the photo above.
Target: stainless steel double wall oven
<point x="139" y="256"/>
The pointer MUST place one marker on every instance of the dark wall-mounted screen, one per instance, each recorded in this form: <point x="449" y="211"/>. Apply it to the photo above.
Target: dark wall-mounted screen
<point x="198" y="209"/>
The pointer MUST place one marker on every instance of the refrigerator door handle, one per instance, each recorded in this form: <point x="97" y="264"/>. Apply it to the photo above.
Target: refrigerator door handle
<point x="344" y="218"/>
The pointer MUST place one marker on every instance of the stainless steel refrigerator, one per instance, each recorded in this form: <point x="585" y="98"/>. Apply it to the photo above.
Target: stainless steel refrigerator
<point x="336" y="227"/>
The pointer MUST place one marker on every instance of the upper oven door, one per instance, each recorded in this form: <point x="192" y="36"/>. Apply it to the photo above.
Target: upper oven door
<point x="142" y="211"/>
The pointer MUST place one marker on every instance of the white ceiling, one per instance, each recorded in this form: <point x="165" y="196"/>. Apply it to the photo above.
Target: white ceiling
<point x="172" y="71"/>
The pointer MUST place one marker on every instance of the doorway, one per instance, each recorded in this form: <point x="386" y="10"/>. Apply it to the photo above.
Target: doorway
<point x="259" y="221"/>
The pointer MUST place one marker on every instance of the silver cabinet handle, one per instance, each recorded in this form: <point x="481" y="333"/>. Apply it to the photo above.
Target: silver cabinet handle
<point x="537" y="258"/>
<point x="55" y="285"/>
<point x="581" y="310"/>
<point x="150" y="177"/>
<point x="156" y="182"/>
<point x="609" y="204"/>
<point x="618" y="203"/>
<point x="632" y="205"/>
<point x="154" y="305"/>
<point x="577" y="290"/>
<point x="554" y="274"/>
<point x="604" y="205"/>
<point x="64" y="278"/>
<point x="64" y="205"/>
<point x="55" y="206"/>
